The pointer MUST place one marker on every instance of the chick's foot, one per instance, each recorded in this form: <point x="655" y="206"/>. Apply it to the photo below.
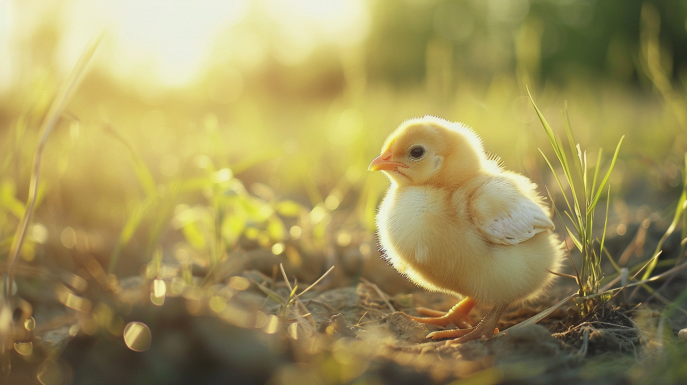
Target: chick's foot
<point x="485" y="328"/>
<point x="458" y="315"/>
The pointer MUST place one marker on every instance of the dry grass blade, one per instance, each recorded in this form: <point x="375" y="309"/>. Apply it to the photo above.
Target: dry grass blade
<point x="296" y="297"/>
<point x="283" y="273"/>
<point x="563" y="275"/>
<point x="318" y="281"/>
<point x="637" y="273"/>
<point x="539" y="316"/>
<point x="51" y="118"/>
<point x="379" y="293"/>
<point x="653" y="278"/>
<point x="270" y="293"/>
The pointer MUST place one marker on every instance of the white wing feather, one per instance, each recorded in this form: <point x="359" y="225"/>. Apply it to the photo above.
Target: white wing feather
<point x="505" y="211"/>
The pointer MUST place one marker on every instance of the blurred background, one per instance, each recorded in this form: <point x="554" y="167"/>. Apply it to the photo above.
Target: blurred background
<point x="285" y="102"/>
<point x="210" y="141"/>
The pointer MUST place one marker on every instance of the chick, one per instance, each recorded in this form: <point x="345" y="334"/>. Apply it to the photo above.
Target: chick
<point x="454" y="221"/>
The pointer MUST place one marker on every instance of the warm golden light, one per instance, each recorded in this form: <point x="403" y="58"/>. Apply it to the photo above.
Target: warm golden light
<point x="174" y="42"/>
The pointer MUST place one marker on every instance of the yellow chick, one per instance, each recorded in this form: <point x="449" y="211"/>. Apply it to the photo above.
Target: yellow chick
<point x="454" y="221"/>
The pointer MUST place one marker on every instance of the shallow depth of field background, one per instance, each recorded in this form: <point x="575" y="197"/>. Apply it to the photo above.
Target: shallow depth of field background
<point x="210" y="139"/>
<point x="294" y="98"/>
<point x="186" y="102"/>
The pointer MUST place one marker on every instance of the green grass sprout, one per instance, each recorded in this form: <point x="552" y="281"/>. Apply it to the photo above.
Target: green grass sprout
<point x="580" y="207"/>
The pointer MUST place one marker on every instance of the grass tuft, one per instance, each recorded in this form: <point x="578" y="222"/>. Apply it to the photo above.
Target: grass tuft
<point x="581" y="207"/>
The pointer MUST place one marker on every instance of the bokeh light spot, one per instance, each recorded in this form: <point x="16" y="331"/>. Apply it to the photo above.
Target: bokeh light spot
<point x="222" y="175"/>
<point x="30" y="324"/>
<point x="295" y="232"/>
<point x="332" y="202"/>
<point x="217" y="304"/>
<point x="278" y="248"/>
<point x="343" y="239"/>
<point x="24" y="348"/>
<point x="68" y="237"/>
<point x="293" y="330"/>
<point x="52" y="373"/>
<point x="272" y="324"/>
<point x="137" y="336"/>
<point x="239" y="283"/>
<point x="39" y="233"/>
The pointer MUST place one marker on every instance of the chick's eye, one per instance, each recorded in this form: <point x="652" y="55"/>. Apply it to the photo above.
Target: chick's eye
<point x="417" y="152"/>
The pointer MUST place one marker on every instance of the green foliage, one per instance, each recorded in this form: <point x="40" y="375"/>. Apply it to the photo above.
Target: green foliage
<point x="585" y="196"/>
<point x="679" y="216"/>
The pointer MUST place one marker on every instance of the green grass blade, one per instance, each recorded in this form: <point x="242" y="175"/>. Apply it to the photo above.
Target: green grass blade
<point x="553" y="139"/>
<point x="589" y="227"/>
<point x="584" y="177"/>
<point x="560" y="219"/>
<point x="610" y="258"/>
<point x="684" y="217"/>
<point x="596" y="172"/>
<point x="579" y="231"/>
<point x="555" y="175"/>
<point x="547" y="128"/>
<point x="603" y="234"/>
<point x="682" y="202"/>
<point x="562" y="158"/>
<point x="577" y="180"/>
<point x="597" y="195"/>
<point x="576" y="241"/>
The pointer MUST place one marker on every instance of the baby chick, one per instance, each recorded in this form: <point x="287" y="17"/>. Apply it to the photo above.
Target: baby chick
<point x="454" y="221"/>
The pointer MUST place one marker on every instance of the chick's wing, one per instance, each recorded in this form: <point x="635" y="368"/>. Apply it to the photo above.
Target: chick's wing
<point x="506" y="210"/>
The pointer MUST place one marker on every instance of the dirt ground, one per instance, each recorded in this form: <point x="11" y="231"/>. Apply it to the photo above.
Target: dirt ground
<point x="346" y="329"/>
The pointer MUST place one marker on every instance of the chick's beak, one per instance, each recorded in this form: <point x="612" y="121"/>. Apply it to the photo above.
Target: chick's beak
<point x="383" y="162"/>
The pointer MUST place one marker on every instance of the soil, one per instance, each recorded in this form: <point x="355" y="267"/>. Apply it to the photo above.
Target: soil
<point x="347" y="329"/>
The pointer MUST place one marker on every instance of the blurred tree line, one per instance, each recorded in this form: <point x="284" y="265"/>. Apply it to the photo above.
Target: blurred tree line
<point x="445" y="42"/>
<point x="557" y="39"/>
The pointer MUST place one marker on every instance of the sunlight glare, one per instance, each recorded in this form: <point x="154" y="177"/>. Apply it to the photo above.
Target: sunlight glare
<point x="6" y="26"/>
<point x="173" y="43"/>
<point x="302" y="22"/>
<point x="174" y="37"/>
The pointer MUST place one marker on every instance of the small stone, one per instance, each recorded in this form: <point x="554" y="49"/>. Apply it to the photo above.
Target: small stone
<point x="682" y="335"/>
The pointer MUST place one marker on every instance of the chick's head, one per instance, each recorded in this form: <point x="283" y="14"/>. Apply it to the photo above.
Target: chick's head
<point x="430" y="151"/>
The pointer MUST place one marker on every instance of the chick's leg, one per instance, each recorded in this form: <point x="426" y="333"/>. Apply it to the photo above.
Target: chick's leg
<point x="485" y="328"/>
<point x="458" y="315"/>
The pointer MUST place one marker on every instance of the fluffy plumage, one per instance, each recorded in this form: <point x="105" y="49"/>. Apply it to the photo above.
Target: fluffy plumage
<point x="454" y="221"/>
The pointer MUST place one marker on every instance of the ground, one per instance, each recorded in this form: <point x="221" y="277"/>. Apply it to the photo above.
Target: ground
<point x="346" y="329"/>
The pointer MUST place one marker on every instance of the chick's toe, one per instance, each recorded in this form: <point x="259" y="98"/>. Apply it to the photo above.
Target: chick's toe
<point x="458" y="315"/>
